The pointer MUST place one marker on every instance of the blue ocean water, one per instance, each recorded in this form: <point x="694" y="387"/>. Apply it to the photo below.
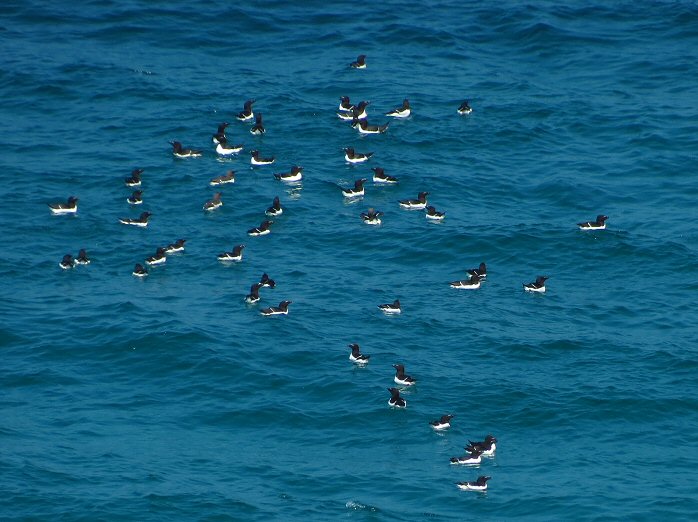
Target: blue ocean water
<point x="169" y="398"/>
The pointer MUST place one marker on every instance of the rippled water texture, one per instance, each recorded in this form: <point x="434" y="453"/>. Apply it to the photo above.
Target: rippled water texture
<point x="169" y="398"/>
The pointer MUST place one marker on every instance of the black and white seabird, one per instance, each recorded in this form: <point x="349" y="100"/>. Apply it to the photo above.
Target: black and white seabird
<point x="183" y="152"/>
<point x="401" y="112"/>
<point x="224" y="148"/>
<point x="365" y="128"/>
<point x="401" y="377"/>
<point x="261" y="230"/>
<point x="356" y="356"/>
<point x="253" y="296"/>
<point x="434" y="215"/>
<point x="360" y="62"/>
<point x="139" y="270"/>
<point x="282" y="309"/>
<point x="135" y="179"/>
<point x="258" y="127"/>
<point x="246" y="113"/>
<point x="379" y="176"/>
<point x="465" y="108"/>
<point x="136" y="198"/>
<point x="443" y="423"/>
<point x="69" y="207"/>
<point x="472" y="458"/>
<point x="356" y="157"/>
<point x="599" y="224"/>
<point x="391" y="308"/>
<point x="140" y="221"/>
<point x="345" y="104"/>
<point x="372" y="217"/>
<point x="357" y="112"/>
<point x="415" y="204"/>
<point x="487" y="447"/>
<point x="467" y="284"/>
<point x="537" y="286"/>
<point x="67" y="262"/>
<point x="266" y="281"/>
<point x="275" y="209"/>
<point x="355" y="192"/>
<point x="296" y="174"/>
<point x="395" y="400"/>
<point x="228" y="177"/>
<point x="220" y="133"/>
<point x="480" y="271"/>
<point x="177" y="246"/>
<point x="479" y="485"/>
<point x="82" y="258"/>
<point x="213" y="204"/>
<point x="158" y="259"/>
<point x="256" y="160"/>
<point x="234" y="255"/>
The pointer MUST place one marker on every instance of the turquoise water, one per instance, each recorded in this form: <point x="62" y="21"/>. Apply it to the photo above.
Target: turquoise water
<point x="169" y="398"/>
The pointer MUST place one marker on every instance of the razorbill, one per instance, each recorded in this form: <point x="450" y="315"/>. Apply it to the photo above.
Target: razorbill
<point x="472" y="458"/>
<point x="391" y="308"/>
<point x="225" y="149"/>
<point x="487" y="447"/>
<point x="357" y="191"/>
<point x="246" y="113"/>
<point x="253" y="296"/>
<point x="401" y="112"/>
<point x="266" y="281"/>
<point x="282" y="309"/>
<point x="296" y="174"/>
<point x="467" y="284"/>
<point x="69" y="207"/>
<point x="379" y="176"/>
<point x="67" y="262"/>
<point x="479" y="485"/>
<point x="480" y="271"/>
<point x="234" y="255"/>
<point x="357" y="112"/>
<point x="136" y="198"/>
<point x="220" y="133"/>
<point x="395" y="400"/>
<point x="82" y="258"/>
<point x="360" y="62"/>
<point x="415" y="204"/>
<point x="401" y="377"/>
<point x="258" y="127"/>
<point x="356" y="356"/>
<point x="434" y="214"/>
<point x="537" y="286"/>
<point x="135" y="179"/>
<point x="465" y="108"/>
<point x="213" y="204"/>
<point x="345" y="104"/>
<point x="275" y="209"/>
<point x="139" y="270"/>
<point x="599" y="224"/>
<point x="182" y="152"/>
<point x="355" y="157"/>
<point x="140" y="221"/>
<point x="365" y="128"/>
<point x="177" y="246"/>
<point x="261" y="230"/>
<point x="372" y="217"/>
<point x="256" y="160"/>
<point x="158" y="259"/>
<point x="228" y="177"/>
<point x="442" y="424"/>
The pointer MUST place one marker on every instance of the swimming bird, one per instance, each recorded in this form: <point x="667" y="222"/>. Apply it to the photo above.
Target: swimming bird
<point x="467" y="284"/>
<point x="135" y="198"/>
<point x="82" y="258"/>
<point x="345" y="104"/>
<point x="434" y="214"/>
<point x="401" y="112"/>
<point x="139" y="270"/>
<point x="253" y="296"/>
<point x="391" y="308"/>
<point x="261" y="230"/>
<point x="372" y="217"/>
<point x="182" y="152"/>
<point x="246" y="113"/>
<point x="282" y="309"/>
<point x="395" y="400"/>
<point x="258" y="127"/>
<point x="356" y="356"/>
<point x="135" y="179"/>
<point x="220" y="133"/>
<point x="379" y="176"/>
<point x="355" y="192"/>
<point x="177" y="246"/>
<point x="472" y="458"/>
<point x="296" y="174"/>
<point x="158" y="258"/>
<point x="67" y="262"/>
<point x="275" y="209"/>
<point x="357" y="112"/>
<point x="234" y="255"/>
<point x="599" y="224"/>
<point x="479" y="485"/>
<point x="69" y="207"/>
<point x="356" y="157"/>
<point x="228" y="177"/>
<point x="364" y="128"/>
<point x="256" y="160"/>
<point x="487" y="447"/>
<point x="266" y="281"/>
<point x="401" y="377"/>
<point x="480" y="271"/>
<point x="537" y="286"/>
<point x="360" y="62"/>
<point x="213" y="204"/>
<point x="465" y="108"/>
<point x="415" y="204"/>
<point x="140" y="221"/>
<point x="226" y="149"/>
<point x="442" y="423"/>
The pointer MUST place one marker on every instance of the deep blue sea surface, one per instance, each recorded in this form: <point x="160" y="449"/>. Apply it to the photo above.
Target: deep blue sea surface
<point x="170" y="398"/>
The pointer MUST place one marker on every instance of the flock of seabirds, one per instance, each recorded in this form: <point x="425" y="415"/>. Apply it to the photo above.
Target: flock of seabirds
<point x="357" y="116"/>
